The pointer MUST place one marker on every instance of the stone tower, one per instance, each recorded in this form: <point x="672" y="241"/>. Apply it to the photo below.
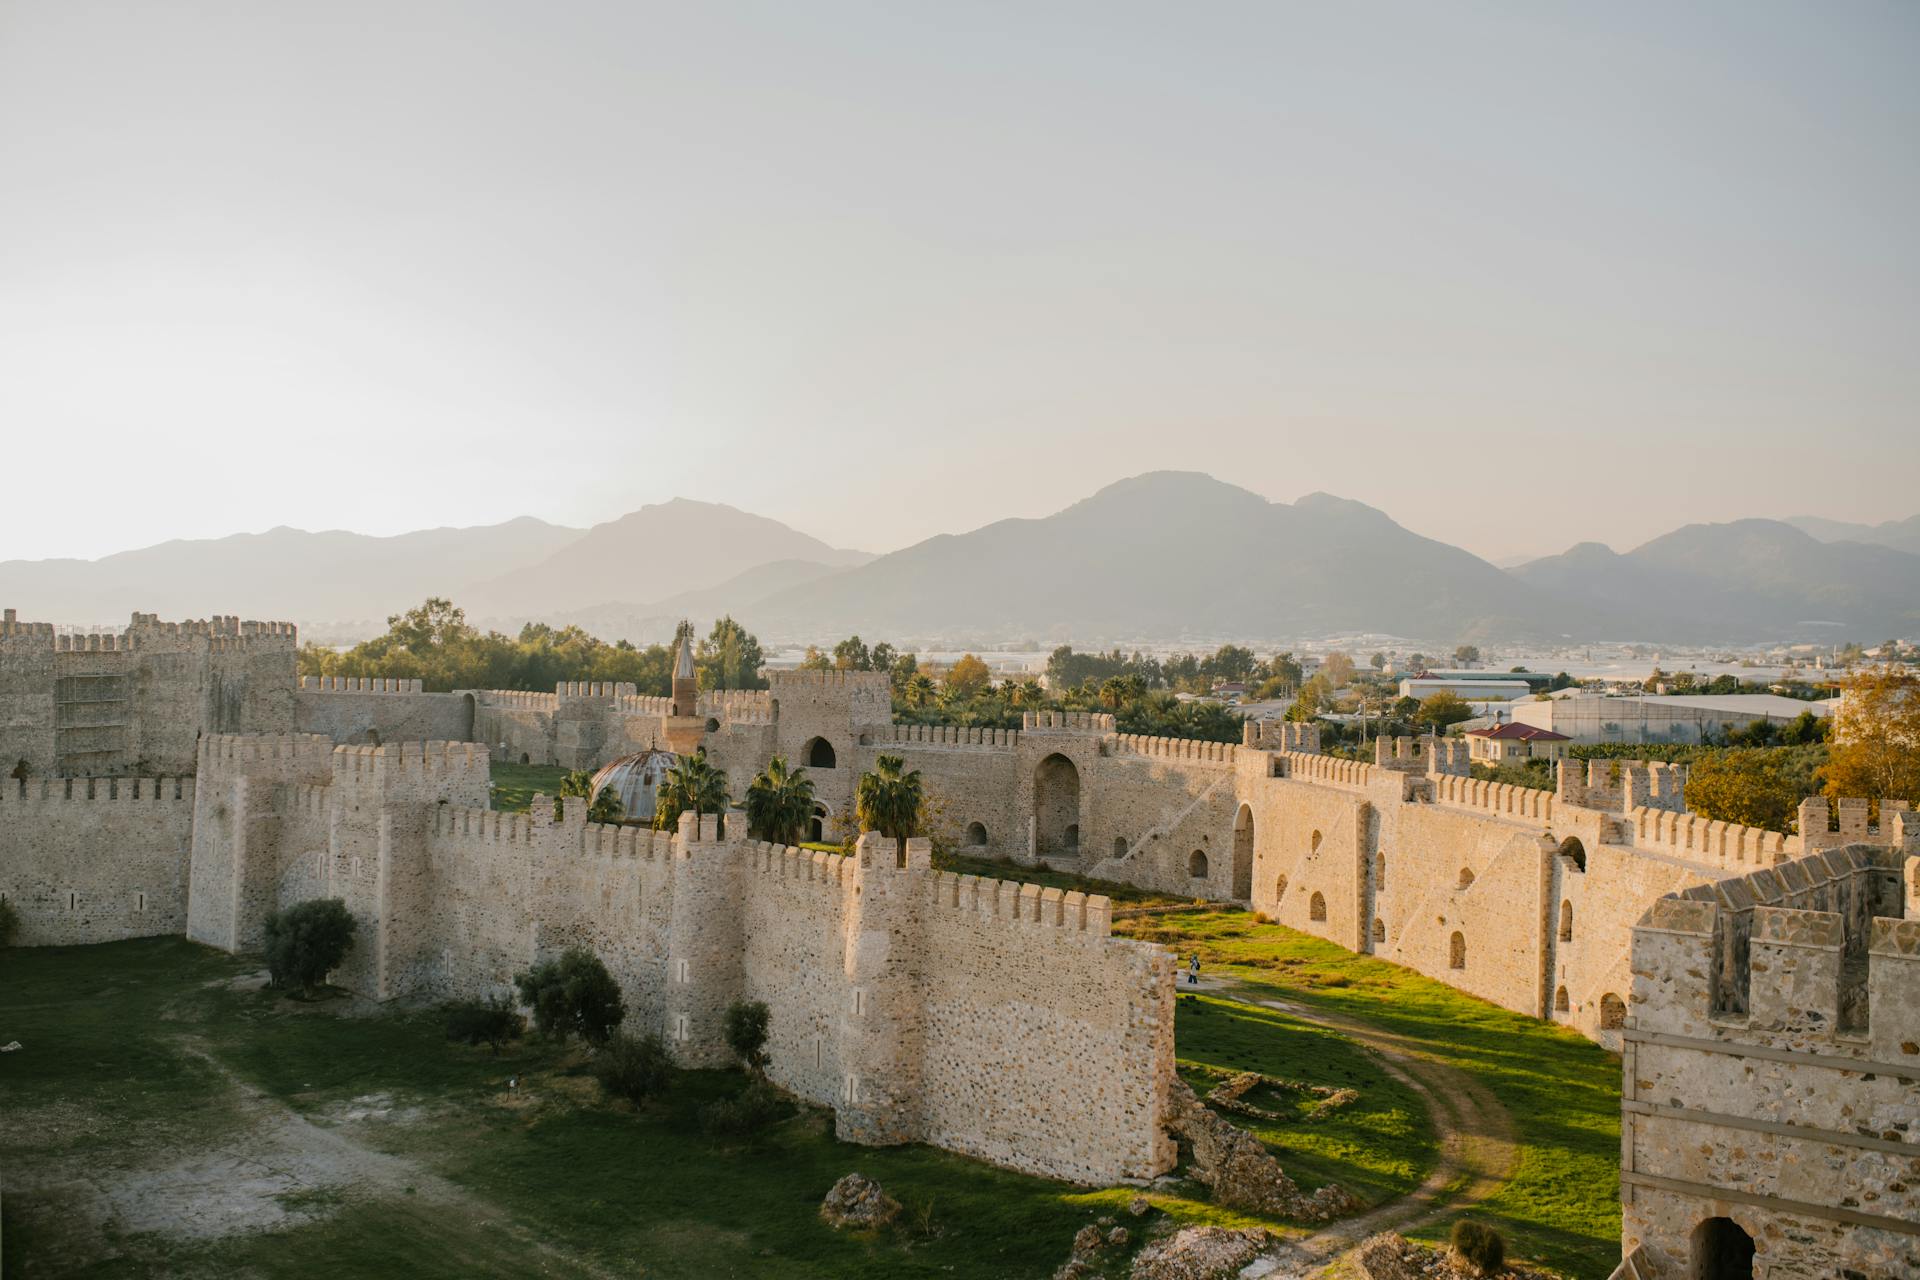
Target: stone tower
<point x="685" y="729"/>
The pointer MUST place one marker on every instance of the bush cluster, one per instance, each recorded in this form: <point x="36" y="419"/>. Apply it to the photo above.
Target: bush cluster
<point x="307" y="941"/>
<point x="746" y="1115"/>
<point x="492" y="1022"/>
<point x="634" y="1067"/>
<point x="574" y="995"/>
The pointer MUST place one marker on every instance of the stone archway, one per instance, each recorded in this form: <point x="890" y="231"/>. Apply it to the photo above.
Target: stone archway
<point x="1722" y="1250"/>
<point x="819" y="754"/>
<point x="1243" y="854"/>
<point x="1056" y="806"/>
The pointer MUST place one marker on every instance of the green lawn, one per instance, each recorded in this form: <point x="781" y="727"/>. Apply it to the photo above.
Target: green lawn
<point x="514" y="785"/>
<point x="142" y="1060"/>
<point x="1562" y="1090"/>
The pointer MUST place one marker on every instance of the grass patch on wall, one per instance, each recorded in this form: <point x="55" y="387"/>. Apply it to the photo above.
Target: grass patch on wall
<point x="514" y="785"/>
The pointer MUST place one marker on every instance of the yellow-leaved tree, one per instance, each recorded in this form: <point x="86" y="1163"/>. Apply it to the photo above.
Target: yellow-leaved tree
<point x="1876" y="737"/>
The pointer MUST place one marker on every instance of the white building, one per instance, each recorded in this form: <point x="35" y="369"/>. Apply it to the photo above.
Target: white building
<point x="1660" y="719"/>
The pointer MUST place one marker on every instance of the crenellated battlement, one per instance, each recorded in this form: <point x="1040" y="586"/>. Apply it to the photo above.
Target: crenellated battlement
<point x="595" y="689"/>
<point x="1449" y="757"/>
<point x="805" y="679"/>
<point x="1023" y="905"/>
<point x="614" y="840"/>
<point x="146" y="631"/>
<point x="638" y="705"/>
<point x="518" y="699"/>
<point x="1066" y="722"/>
<point x="226" y="749"/>
<point x="1520" y="804"/>
<point x="1617" y="786"/>
<point x="736" y="706"/>
<point x="1826" y="825"/>
<point x="419" y="772"/>
<point x="945" y="735"/>
<point x="1697" y="839"/>
<point x="1281" y="735"/>
<point x="1187" y="750"/>
<point x="130" y="791"/>
<point x="358" y="684"/>
<point x="1328" y="769"/>
<point x="830" y="870"/>
<point x="489" y="826"/>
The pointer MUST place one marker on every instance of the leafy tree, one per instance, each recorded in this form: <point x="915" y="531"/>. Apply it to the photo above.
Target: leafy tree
<point x="1467" y="654"/>
<point x="492" y="1022"/>
<point x="636" y="1068"/>
<point x="967" y="677"/>
<point x="1418" y="663"/>
<point x="1804" y="730"/>
<point x="573" y="995"/>
<point x="1230" y="662"/>
<point x="1337" y="669"/>
<point x="1444" y="708"/>
<point x="307" y="941"/>
<point x="883" y="656"/>
<point x="852" y="655"/>
<point x="1876" y="737"/>
<point x="779" y="803"/>
<point x="1378" y="662"/>
<point x="747" y="1032"/>
<point x="603" y="807"/>
<point x="730" y="658"/>
<point x="1282" y="667"/>
<point x="815" y="660"/>
<point x="691" y="783"/>
<point x="889" y="799"/>
<point x="905" y="667"/>
<point x="1751" y="786"/>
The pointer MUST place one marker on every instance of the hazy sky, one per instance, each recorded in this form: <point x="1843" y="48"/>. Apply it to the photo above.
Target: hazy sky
<point x="1518" y="274"/>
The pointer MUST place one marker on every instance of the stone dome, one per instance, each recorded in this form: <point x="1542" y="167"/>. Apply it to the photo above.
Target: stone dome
<point x="636" y="780"/>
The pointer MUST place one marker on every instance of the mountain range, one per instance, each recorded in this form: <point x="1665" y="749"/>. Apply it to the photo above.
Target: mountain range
<point x="1163" y="556"/>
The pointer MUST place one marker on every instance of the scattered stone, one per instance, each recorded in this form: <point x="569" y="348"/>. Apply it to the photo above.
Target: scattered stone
<point x="1199" y="1253"/>
<point x="857" y="1201"/>
<point x="1139" y="1206"/>
<point x="1241" y="1171"/>
<point x="1105" y="1220"/>
<point x="1390" y="1256"/>
<point x="1117" y="1238"/>
<point x="1086" y="1240"/>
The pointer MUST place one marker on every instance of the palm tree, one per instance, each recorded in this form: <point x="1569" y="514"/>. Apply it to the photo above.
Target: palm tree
<point x="919" y="691"/>
<point x="1029" y="694"/>
<point x="779" y="803"/>
<point x="693" y="784"/>
<point x="888" y="799"/>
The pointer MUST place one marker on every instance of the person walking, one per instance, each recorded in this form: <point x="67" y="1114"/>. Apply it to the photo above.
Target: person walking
<point x="1193" y="970"/>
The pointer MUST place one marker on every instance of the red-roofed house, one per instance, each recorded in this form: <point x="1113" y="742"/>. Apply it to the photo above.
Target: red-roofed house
<point x="1514" y="741"/>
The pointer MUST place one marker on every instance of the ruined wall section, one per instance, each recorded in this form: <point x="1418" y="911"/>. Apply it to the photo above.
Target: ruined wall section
<point x="86" y="860"/>
<point x="1798" y="1117"/>
<point x="369" y="711"/>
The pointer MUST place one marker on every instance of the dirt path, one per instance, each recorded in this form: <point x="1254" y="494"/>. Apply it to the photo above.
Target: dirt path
<point x="273" y="1168"/>
<point x="1477" y="1145"/>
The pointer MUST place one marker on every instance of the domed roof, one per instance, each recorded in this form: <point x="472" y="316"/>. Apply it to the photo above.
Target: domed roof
<point x="636" y="780"/>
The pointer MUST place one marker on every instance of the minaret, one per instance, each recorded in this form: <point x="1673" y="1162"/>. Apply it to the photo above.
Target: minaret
<point x="685" y="728"/>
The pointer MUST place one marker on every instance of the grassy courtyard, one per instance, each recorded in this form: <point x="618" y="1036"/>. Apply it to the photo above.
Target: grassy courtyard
<point x="166" y="1114"/>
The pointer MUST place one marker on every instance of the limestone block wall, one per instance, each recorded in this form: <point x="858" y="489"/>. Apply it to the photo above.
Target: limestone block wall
<point x="87" y="860"/>
<point x="370" y="711"/>
<point x="970" y="776"/>
<point x="1795" y="1121"/>
<point x="1152" y="804"/>
<point x="246" y="788"/>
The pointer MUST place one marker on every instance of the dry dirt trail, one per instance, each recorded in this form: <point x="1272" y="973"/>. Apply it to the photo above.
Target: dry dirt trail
<point x="1477" y="1145"/>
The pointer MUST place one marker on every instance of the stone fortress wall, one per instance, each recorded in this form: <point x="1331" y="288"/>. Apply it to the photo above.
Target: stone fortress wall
<point x="1527" y="898"/>
<point x="1771" y="1107"/>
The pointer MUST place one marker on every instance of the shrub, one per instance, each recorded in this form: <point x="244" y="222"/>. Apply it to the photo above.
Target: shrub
<point x="493" y="1022"/>
<point x="9" y="923"/>
<point x="634" y="1067"/>
<point x="747" y="1032"/>
<point x="307" y="941"/>
<point x="1480" y="1246"/>
<point x="746" y="1115"/>
<point x="574" y="995"/>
